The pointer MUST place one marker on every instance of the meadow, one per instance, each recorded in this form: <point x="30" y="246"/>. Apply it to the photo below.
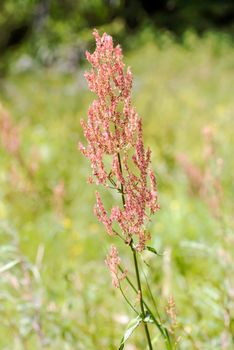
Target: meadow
<point x="55" y="290"/>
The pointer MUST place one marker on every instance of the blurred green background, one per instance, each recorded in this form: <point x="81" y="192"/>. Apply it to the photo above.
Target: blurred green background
<point x="55" y="290"/>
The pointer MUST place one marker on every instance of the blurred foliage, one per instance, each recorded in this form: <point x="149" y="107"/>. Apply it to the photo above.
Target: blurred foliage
<point x="56" y="292"/>
<point x="46" y="31"/>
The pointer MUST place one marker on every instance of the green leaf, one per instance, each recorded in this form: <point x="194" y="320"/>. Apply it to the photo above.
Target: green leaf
<point x="148" y="318"/>
<point x="131" y="327"/>
<point x="9" y="265"/>
<point x="152" y="250"/>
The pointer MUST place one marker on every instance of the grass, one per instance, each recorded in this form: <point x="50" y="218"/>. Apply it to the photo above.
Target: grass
<point x="60" y="296"/>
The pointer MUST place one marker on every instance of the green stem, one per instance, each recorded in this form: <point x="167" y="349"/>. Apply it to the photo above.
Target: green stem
<point x="162" y="329"/>
<point x="141" y="300"/>
<point x="151" y="294"/>
<point x="136" y="268"/>
<point x="122" y="188"/>
<point x="128" y="302"/>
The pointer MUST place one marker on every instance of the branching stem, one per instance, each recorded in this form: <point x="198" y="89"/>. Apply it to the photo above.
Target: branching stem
<point x="136" y="268"/>
<point x="158" y="324"/>
<point x="141" y="300"/>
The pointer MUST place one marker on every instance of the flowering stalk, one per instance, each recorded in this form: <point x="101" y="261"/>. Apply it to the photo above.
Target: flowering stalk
<point x="10" y="141"/>
<point x="114" y="134"/>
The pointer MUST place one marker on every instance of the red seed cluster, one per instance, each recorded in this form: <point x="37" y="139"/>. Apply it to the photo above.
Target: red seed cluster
<point x="113" y="261"/>
<point x="114" y="132"/>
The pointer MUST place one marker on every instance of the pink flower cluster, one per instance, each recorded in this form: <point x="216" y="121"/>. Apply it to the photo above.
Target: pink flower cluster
<point x="115" y="145"/>
<point x="113" y="262"/>
<point x="9" y="135"/>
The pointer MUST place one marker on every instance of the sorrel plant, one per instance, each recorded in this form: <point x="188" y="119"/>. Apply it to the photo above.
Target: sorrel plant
<point x="114" y="132"/>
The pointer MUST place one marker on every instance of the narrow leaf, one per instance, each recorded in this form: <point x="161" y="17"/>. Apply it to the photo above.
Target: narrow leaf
<point x="145" y="262"/>
<point x="133" y="325"/>
<point x="9" y="265"/>
<point x="152" y="250"/>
